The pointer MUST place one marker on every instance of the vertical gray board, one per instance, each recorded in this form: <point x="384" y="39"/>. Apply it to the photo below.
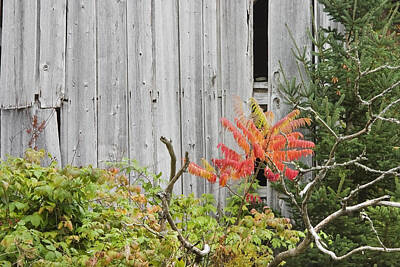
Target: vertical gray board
<point x="53" y="18"/>
<point x="14" y="135"/>
<point x="236" y="45"/>
<point x="78" y="114"/>
<point x="191" y="88"/>
<point x="165" y="94"/>
<point x="297" y="16"/>
<point x="17" y="131"/>
<point x="141" y="81"/>
<point x="212" y="88"/>
<point x="19" y="54"/>
<point x="112" y="110"/>
<point x="236" y="51"/>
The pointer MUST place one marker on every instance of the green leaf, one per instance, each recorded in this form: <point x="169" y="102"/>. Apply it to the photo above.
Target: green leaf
<point x="37" y="173"/>
<point x="51" y="247"/>
<point x="180" y="263"/>
<point x="5" y="263"/>
<point x="35" y="219"/>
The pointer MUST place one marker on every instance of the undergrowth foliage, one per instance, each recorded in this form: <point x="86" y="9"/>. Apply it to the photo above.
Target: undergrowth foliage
<point x="276" y="145"/>
<point x="52" y="216"/>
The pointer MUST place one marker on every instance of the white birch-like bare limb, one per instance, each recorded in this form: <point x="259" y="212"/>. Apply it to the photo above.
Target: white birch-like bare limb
<point x="384" y="92"/>
<point x="334" y="165"/>
<point x="387" y="67"/>
<point x="361" y="187"/>
<point x="393" y="120"/>
<point x="346" y="210"/>
<point x="365" y="216"/>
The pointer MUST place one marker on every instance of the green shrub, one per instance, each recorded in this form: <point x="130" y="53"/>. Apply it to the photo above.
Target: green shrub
<point x="51" y="216"/>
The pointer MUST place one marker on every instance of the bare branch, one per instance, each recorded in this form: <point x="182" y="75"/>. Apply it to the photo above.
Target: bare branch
<point x="231" y="190"/>
<point x="168" y="144"/>
<point x="184" y="242"/>
<point x="393" y="120"/>
<point x="359" y="249"/>
<point x="368" y="169"/>
<point x="347" y="210"/>
<point x="361" y="187"/>
<point x="390" y="204"/>
<point x="365" y="216"/>
<point x="364" y="248"/>
<point x="387" y="90"/>
<point x="325" y="168"/>
<point x="387" y="67"/>
<point x="319" y="119"/>
<point x="174" y="176"/>
<point x="388" y="107"/>
<point x="334" y="165"/>
<point x="350" y="209"/>
<point x="291" y="252"/>
<point x="144" y="226"/>
<point x="172" y="182"/>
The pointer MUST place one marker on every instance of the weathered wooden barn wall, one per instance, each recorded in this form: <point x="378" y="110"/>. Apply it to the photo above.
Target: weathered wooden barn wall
<point x="110" y="77"/>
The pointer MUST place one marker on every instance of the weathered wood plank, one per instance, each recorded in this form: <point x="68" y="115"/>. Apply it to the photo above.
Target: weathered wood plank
<point x="165" y="94"/>
<point x="49" y="139"/>
<point x="52" y="52"/>
<point x="14" y="135"/>
<point x="236" y="45"/>
<point x="191" y="88"/>
<point x="297" y="16"/>
<point x="236" y="51"/>
<point x="112" y="107"/>
<point x="211" y="86"/>
<point x="322" y="19"/>
<point x="78" y="113"/>
<point x="19" y="54"/>
<point x="141" y="82"/>
<point x="19" y="130"/>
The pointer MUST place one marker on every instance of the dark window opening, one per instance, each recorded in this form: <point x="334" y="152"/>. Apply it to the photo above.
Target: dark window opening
<point x="260" y="40"/>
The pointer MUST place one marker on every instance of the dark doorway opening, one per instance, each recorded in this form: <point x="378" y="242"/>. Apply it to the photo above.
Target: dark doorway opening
<point x="260" y="40"/>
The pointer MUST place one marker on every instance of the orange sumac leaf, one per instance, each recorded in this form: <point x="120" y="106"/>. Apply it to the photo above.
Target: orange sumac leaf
<point x="195" y="169"/>
<point x="229" y="153"/>
<point x="291" y="174"/>
<point x="207" y="165"/>
<point x="239" y="138"/>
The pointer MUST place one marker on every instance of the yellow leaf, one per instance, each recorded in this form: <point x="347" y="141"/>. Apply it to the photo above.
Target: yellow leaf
<point x="41" y="210"/>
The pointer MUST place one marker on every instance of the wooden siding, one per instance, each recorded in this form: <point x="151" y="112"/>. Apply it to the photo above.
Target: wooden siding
<point x="110" y="77"/>
<point x="287" y="17"/>
<point x="52" y="26"/>
<point x="79" y="110"/>
<point x="18" y="54"/>
<point x="112" y="90"/>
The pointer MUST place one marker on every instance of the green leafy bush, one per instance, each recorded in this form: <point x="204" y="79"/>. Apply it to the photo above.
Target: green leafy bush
<point x="51" y="216"/>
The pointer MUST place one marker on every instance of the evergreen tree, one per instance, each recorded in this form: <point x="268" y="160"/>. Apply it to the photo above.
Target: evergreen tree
<point x="364" y="58"/>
